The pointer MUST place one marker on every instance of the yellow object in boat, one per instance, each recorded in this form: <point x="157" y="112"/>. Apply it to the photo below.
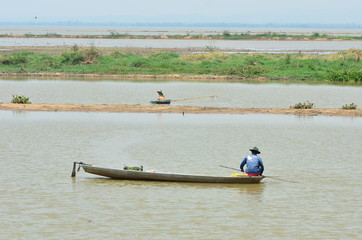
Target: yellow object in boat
<point x="238" y="175"/>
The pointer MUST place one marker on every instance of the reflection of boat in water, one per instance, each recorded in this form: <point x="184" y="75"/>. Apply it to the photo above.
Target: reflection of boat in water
<point x="166" y="101"/>
<point x="167" y="177"/>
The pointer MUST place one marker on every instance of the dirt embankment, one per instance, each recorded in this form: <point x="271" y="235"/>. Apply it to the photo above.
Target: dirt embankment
<point x="124" y="108"/>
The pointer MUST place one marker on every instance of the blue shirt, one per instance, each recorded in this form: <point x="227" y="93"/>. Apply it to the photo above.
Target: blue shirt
<point x="254" y="164"/>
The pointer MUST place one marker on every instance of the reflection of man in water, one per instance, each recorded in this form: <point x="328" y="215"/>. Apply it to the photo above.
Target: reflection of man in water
<point x="160" y="95"/>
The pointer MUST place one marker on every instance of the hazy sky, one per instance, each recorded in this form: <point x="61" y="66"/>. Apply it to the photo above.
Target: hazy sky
<point x="235" y="11"/>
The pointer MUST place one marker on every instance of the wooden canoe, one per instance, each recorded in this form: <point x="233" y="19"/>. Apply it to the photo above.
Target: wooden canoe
<point x="166" y="101"/>
<point x="167" y="177"/>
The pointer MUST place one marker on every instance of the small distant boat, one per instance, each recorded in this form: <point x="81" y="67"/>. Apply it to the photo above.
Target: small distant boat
<point x="166" y="177"/>
<point x="166" y="101"/>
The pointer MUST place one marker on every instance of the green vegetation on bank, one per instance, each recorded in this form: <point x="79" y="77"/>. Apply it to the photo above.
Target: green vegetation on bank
<point x="308" y="105"/>
<point x="349" y="106"/>
<point x="20" y="99"/>
<point x="226" y="35"/>
<point x="345" y="66"/>
<point x="305" y="105"/>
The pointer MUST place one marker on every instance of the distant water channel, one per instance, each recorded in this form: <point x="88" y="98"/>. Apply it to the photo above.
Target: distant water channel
<point x="159" y="31"/>
<point x="316" y="47"/>
<point x="262" y="46"/>
<point x="40" y="201"/>
<point x="244" y="95"/>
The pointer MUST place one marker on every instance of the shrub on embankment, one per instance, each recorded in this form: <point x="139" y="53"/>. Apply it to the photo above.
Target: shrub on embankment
<point x="20" y="99"/>
<point x="346" y="76"/>
<point x="342" y="67"/>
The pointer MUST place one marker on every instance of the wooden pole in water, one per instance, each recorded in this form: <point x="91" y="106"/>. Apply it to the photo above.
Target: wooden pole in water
<point x="182" y="99"/>
<point x="74" y="167"/>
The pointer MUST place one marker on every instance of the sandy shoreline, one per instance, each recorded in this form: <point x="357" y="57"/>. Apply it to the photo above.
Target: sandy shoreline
<point x="124" y="108"/>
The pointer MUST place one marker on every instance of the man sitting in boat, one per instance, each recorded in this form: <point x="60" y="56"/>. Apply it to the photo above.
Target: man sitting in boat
<point x="254" y="164"/>
<point x="160" y="95"/>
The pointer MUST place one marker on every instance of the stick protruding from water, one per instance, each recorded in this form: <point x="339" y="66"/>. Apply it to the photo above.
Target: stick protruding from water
<point x="73" y="171"/>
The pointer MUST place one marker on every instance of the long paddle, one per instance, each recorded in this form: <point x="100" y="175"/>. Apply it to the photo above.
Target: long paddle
<point x="182" y="99"/>
<point x="263" y="175"/>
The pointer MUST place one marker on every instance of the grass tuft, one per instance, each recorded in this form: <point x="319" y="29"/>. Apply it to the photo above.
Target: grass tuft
<point x="349" y="106"/>
<point x="20" y="99"/>
<point x="305" y="105"/>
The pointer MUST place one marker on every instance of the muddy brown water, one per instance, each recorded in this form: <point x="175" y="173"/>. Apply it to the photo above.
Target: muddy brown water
<point x="41" y="201"/>
<point x="322" y="154"/>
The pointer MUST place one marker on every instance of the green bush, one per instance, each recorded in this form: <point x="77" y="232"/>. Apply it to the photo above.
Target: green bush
<point x="288" y="59"/>
<point x="117" y="35"/>
<point x="226" y="33"/>
<point x="118" y="54"/>
<point x="346" y="76"/>
<point x="91" y="54"/>
<point x="20" y="99"/>
<point x="163" y="55"/>
<point x="247" y="71"/>
<point x="72" y="58"/>
<point x="305" y="105"/>
<point x="139" y="64"/>
<point x="15" y="59"/>
<point x="349" y="106"/>
<point x="78" y="56"/>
